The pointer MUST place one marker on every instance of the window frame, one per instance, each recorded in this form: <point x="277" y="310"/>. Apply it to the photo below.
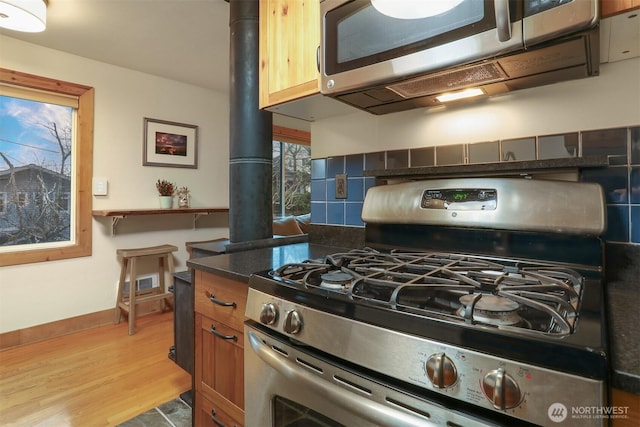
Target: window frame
<point x="82" y="246"/>
<point x="290" y="135"/>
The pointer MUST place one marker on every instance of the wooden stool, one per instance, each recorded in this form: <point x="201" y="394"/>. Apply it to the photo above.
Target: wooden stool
<point x="129" y="261"/>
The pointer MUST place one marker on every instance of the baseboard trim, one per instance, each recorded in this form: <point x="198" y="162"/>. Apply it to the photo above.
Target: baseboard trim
<point x="58" y="328"/>
<point x="62" y="327"/>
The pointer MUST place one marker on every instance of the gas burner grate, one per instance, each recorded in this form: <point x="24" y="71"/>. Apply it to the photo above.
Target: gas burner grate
<point x="542" y="299"/>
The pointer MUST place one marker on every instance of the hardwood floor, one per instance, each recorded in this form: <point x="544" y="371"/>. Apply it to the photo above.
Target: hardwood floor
<point x="97" y="377"/>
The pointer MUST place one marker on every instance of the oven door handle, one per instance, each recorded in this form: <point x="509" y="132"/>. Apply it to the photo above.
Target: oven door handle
<point x="366" y="408"/>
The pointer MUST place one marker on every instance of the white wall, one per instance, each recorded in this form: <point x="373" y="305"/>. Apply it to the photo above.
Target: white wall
<point x="39" y="293"/>
<point x="606" y="101"/>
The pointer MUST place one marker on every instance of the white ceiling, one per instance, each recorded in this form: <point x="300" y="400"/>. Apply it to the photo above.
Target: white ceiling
<point x="184" y="40"/>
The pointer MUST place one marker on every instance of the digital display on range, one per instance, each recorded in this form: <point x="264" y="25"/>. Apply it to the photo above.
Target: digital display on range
<point x="463" y="199"/>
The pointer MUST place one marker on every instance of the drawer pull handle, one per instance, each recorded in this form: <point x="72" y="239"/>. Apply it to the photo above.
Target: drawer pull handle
<point x="217" y="421"/>
<point x="213" y="299"/>
<point x="224" y="337"/>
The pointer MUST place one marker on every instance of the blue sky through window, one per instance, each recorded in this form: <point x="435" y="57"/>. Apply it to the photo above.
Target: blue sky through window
<point x="24" y="136"/>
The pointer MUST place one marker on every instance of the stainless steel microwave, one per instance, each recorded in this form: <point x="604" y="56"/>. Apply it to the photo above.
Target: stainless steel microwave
<point x="377" y="62"/>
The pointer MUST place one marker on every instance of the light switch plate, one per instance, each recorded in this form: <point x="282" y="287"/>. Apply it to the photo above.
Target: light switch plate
<point x="100" y="186"/>
<point x="341" y="186"/>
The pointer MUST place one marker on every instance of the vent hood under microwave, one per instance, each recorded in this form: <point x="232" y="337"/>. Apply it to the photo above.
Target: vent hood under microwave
<point x="542" y="49"/>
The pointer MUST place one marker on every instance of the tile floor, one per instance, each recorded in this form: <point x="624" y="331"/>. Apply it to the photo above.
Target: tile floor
<point x="175" y="413"/>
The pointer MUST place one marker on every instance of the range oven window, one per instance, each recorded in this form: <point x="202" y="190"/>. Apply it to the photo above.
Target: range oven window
<point x="291" y="414"/>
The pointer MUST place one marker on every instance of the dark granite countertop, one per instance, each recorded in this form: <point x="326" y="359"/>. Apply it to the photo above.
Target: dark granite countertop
<point x="624" y="336"/>
<point x="240" y="265"/>
<point x="623" y="302"/>
<point x="623" y="294"/>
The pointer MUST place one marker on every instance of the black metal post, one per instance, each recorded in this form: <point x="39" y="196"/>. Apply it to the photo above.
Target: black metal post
<point x="250" y="131"/>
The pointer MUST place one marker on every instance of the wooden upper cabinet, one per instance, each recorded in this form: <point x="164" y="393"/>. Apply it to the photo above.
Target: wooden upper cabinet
<point x="289" y="39"/>
<point x="614" y="7"/>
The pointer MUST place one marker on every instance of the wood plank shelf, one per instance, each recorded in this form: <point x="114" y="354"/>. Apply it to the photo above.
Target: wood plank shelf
<point x="117" y="214"/>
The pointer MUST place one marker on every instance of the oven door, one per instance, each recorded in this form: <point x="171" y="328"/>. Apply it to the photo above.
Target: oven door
<point x="288" y="385"/>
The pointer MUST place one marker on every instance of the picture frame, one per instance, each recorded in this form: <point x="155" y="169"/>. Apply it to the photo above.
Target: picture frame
<point x="170" y="144"/>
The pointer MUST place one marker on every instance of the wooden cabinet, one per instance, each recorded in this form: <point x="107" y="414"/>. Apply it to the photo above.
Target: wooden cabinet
<point x="289" y="40"/>
<point x="614" y="7"/>
<point x="219" y="306"/>
<point x="628" y="402"/>
<point x="210" y="415"/>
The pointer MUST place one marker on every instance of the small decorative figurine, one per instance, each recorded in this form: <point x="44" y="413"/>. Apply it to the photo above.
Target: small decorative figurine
<point x="183" y="197"/>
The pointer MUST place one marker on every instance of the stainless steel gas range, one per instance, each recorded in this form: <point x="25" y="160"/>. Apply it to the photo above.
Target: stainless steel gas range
<point x="476" y="302"/>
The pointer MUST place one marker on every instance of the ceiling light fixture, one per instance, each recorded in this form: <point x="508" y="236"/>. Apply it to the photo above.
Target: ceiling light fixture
<point x="29" y="16"/>
<point x="414" y="9"/>
<point x="453" y="96"/>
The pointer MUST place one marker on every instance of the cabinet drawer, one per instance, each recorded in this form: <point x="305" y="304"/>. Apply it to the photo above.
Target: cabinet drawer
<point x="221" y="299"/>
<point x="209" y="414"/>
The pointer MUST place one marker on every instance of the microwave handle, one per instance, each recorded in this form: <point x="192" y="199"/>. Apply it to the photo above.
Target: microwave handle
<point x="318" y="58"/>
<point x="360" y="405"/>
<point x="503" y="24"/>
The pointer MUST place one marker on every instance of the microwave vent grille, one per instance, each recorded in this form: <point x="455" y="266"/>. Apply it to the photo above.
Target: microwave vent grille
<point x="451" y="80"/>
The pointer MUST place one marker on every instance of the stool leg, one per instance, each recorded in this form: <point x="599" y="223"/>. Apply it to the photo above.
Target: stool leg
<point x="170" y="270"/>
<point x="161" y="280"/>
<point x="132" y="296"/>
<point x="123" y="276"/>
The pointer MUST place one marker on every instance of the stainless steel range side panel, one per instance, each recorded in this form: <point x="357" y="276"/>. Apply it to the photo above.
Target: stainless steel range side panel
<point x="405" y="356"/>
<point x="522" y="204"/>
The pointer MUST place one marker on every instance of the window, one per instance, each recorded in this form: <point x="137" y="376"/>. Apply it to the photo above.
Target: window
<point x="38" y="186"/>
<point x="20" y="200"/>
<point x="291" y="179"/>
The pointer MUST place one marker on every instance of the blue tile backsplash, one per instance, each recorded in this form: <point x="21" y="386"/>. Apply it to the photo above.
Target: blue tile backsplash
<point x="635" y="185"/>
<point x="318" y="169"/>
<point x="335" y="165"/>
<point x="335" y="213"/>
<point x="614" y="181"/>
<point x="635" y="146"/>
<point x="617" y="223"/>
<point x="635" y="225"/>
<point x="355" y="165"/>
<point x="318" y="190"/>
<point x="612" y="142"/>
<point x="620" y="181"/>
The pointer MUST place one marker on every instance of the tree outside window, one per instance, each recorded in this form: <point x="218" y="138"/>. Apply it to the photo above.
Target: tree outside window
<point x="35" y="171"/>
<point x="291" y="190"/>
<point x="46" y="149"/>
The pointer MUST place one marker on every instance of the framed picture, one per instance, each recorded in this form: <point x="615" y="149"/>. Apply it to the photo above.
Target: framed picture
<point x="170" y="144"/>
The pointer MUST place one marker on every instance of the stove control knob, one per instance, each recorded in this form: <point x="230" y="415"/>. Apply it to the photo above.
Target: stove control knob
<point x="501" y="389"/>
<point x="441" y="370"/>
<point x="269" y="314"/>
<point x="292" y="322"/>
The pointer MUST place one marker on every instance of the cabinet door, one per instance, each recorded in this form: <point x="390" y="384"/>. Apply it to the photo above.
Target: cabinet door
<point x="614" y="7"/>
<point x="220" y="365"/>
<point x="209" y="414"/>
<point x="289" y="39"/>
<point x="630" y="401"/>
